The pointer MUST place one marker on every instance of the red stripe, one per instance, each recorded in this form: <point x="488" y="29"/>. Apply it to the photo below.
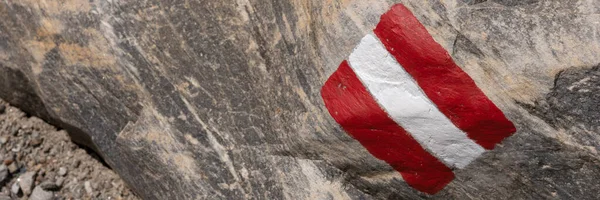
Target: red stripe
<point x="446" y="84"/>
<point x="353" y="107"/>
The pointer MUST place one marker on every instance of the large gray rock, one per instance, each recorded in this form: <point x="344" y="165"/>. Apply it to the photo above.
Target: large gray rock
<point x="220" y="99"/>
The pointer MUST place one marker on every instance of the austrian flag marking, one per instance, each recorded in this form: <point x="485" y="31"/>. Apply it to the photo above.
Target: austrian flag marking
<point x="404" y="99"/>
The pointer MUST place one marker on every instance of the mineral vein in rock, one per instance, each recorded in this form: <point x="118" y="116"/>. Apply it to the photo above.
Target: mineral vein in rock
<point x="405" y="100"/>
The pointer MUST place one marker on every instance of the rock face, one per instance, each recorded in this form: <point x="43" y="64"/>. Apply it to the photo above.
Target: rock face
<point x="220" y="99"/>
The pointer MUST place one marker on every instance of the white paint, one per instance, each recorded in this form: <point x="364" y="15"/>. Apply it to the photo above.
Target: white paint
<point x="400" y="96"/>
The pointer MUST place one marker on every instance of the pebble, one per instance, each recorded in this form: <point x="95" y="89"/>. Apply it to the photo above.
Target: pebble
<point x="88" y="187"/>
<point x="49" y="185"/>
<point x="40" y="194"/>
<point x="15" y="131"/>
<point x="12" y="168"/>
<point x="26" y="182"/>
<point x="36" y="141"/>
<point x="3" y="140"/>
<point x="3" y="174"/>
<point x="16" y="149"/>
<point x="60" y="181"/>
<point x="15" y="189"/>
<point x="47" y="149"/>
<point x="53" y="151"/>
<point x="62" y="171"/>
<point x="76" y="164"/>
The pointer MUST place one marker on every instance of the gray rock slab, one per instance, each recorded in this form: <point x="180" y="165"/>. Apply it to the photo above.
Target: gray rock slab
<point x="221" y="99"/>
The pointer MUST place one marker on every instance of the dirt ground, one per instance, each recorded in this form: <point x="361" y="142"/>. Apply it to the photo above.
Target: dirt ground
<point x="39" y="162"/>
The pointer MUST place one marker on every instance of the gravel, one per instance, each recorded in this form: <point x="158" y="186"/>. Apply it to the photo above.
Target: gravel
<point x="40" y="194"/>
<point x="39" y="162"/>
<point x="62" y="171"/>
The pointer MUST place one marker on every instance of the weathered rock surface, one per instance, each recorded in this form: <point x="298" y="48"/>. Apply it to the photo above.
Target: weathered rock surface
<point x="220" y="99"/>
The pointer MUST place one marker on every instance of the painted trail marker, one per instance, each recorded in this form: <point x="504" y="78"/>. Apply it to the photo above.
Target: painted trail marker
<point x="404" y="99"/>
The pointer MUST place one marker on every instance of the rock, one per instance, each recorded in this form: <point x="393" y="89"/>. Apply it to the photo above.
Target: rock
<point x="2" y="108"/>
<point x="50" y="186"/>
<point x="47" y="149"/>
<point x="15" y="132"/>
<point x="16" y="149"/>
<point x="223" y="98"/>
<point x="15" y="188"/>
<point x="36" y="142"/>
<point x="78" y="192"/>
<point x="60" y="181"/>
<point x="4" y="175"/>
<point x="3" y="140"/>
<point x="12" y="167"/>
<point x="62" y="171"/>
<point x="26" y="181"/>
<point x="40" y="194"/>
<point x="76" y="164"/>
<point x="88" y="187"/>
<point x="53" y="151"/>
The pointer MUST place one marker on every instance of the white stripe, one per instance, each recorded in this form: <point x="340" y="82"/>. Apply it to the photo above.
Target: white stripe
<point x="400" y="96"/>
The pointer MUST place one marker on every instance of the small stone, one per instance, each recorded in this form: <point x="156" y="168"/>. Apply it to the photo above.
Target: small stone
<point x="3" y="174"/>
<point x="76" y="164"/>
<point x="3" y="140"/>
<point x="60" y="181"/>
<point x="31" y="164"/>
<point x="26" y="182"/>
<point x="62" y="171"/>
<point x="53" y="151"/>
<point x="47" y="148"/>
<point x="41" y="159"/>
<point x="82" y="175"/>
<point x="35" y="134"/>
<point x="88" y="187"/>
<point x="35" y="142"/>
<point x="15" y="189"/>
<point x="16" y="149"/>
<point x="12" y="168"/>
<point x="19" y="156"/>
<point x="77" y="192"/>
<point x="40" y="194"/>
<point x="2" y="108"/>
<point x="49" y="186"/>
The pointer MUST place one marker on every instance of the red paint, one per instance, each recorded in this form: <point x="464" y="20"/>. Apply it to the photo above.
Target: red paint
<point x="353" y="107"/>
<point x="446" y="84"/>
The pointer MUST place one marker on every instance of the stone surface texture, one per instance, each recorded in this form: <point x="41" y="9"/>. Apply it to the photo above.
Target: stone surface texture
<point x="220" y="99"/>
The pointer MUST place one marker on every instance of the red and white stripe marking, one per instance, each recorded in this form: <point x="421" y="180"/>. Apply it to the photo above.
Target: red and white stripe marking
<point x="400" y="96"/>
<point x="405" y="100"/>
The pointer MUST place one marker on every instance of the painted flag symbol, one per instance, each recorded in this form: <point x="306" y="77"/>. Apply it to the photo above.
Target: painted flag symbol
<point x="404" y="99"/>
